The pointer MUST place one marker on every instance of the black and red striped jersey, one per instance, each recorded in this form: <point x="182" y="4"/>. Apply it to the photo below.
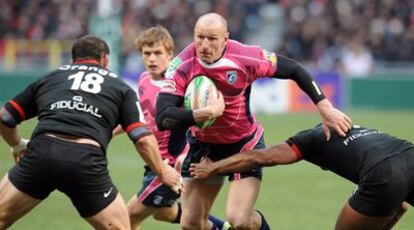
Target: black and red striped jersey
<point x="81" y="99"/>
<point x="351" y="156"/>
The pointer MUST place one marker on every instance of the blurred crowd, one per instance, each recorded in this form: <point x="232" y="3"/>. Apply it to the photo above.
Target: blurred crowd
<point x="42" y="19"/>
<point x="333" y="34"/>
<point x="348" y="35"/>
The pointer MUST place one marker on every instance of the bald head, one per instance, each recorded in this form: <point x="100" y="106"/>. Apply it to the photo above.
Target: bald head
<point x="210" y="37"/>
<point x="212" y="20"/>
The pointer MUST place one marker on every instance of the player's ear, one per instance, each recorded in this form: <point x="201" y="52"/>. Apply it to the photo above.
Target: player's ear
<point x="226" y="37"/>
<point x="105" y="60"/>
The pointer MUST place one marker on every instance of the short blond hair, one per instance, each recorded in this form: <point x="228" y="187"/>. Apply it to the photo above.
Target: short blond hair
<point x="154" y="35"/>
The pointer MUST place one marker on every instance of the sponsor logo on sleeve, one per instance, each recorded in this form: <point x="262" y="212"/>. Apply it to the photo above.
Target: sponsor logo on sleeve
<point x="270" y="56"/>
<point x="168" y="86"/>
<point x="169" y="74"/>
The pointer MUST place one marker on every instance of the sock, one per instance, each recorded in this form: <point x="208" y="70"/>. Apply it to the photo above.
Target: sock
<point x="217" y="223"/>
<point x="178" y="218"/>
<point x="265" y="225"/>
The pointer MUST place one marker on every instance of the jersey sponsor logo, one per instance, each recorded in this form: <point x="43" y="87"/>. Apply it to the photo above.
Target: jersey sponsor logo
<point x="270" y="56"/>
<point x="157" y="199"/>
<point x="168" y="86"/>
<point x="77" y="98"/>
<point x="100" y="71"/>
<point x="106" y="194"/>
<point x="76" y="105"/>
<point x="231" y="77"/>
<point x="172" y="67"/>
<point x="362" y="133"/>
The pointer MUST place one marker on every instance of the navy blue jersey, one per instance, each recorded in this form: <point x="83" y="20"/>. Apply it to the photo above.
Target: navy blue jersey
<point x="349" y="156"/>
<point x="81" y="100"/>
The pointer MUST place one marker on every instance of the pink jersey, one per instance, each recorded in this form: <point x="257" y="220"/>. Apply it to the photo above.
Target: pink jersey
<point x="233" y="75"/>
<point x="148" y="90"/>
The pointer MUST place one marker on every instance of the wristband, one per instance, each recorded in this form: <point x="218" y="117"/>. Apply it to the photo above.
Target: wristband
<point x="22" y="145"/>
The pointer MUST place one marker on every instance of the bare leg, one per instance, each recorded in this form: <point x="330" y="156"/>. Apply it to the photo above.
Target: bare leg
<point x="138" y="212"/>
<point x="13" y="203"/>
<point x="350" y="219"/>
<point x="240" y="204"/>
<point x="114" y="216"/>
<point x="197" y="200"/>
<point x="167" y="214"/>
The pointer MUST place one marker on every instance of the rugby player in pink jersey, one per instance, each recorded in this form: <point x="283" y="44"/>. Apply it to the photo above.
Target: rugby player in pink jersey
<point x="155" y="198"/>
<point x="233" y="67"/>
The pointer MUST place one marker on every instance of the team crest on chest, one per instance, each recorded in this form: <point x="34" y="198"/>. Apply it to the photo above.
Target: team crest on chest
<point x="231" y="77"/>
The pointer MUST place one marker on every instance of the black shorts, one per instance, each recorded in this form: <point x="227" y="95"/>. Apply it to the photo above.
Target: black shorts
<point x="215" y="152"/>
<point x="384" y="187"/>
<point x="154" y="193"/>
<point x="78" y="170"/>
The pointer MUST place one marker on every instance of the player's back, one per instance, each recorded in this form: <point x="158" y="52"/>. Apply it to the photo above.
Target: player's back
<point x="82" y="100"/>
<point x="171" y="142"/>
<point x="351" y="156"/>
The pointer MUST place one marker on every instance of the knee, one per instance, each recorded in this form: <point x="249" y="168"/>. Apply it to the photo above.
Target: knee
<point x="132" y="213"/>
<point x="191" y="224"/>
<point x="4" y="221"/>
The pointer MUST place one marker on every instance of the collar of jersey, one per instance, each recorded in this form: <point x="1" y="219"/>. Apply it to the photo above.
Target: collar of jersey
<point x="90" y="61"/>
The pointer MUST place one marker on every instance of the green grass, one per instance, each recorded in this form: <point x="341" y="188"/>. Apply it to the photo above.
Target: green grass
<point x="299" y="196"/>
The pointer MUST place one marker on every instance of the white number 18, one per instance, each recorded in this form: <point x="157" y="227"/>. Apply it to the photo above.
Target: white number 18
<point x="90" y="82"/>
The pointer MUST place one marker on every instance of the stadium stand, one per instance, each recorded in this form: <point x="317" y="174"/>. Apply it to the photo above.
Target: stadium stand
<point x="315" y="30"/>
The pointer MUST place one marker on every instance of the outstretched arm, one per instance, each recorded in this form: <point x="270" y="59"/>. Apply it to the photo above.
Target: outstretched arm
<point x="147" y="148"/>
<point x="278" y="154"/>
<point x="331" y="117"/>
<point x="10" y="135"/>
<point x="18" y="145"/>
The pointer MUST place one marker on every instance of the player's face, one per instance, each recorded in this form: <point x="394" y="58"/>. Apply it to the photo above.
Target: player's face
<point x="156" y="59"/>
<point x="210" y="42"/>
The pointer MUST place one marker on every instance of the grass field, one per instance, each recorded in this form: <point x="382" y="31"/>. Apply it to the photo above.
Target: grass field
<point x="294" y="197"/>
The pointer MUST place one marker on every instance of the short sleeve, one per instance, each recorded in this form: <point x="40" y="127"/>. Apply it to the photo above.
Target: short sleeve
<point x="178" y="72"/>
<point x="131" y="111"/>
<point x="302" y="142"/>
<point x="23" y="106"/>
<point x="266" y="64"/>
<point x="176" y="84"/>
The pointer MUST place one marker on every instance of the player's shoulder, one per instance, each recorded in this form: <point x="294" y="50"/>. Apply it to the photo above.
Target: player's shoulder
<point x="188" y="52"/>
<point x="182" y="62"/>
<point x="144" y="77"/>
<point x="236" y="47"/>
<point x="248" y="54"/>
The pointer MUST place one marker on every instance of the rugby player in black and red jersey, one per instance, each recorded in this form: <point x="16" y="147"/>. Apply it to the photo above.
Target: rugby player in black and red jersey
<point x="381" y="165"/>
<point x="77" y="106"/>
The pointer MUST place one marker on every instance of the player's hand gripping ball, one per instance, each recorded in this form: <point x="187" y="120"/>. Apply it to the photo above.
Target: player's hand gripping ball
<point x="197" y="94"/>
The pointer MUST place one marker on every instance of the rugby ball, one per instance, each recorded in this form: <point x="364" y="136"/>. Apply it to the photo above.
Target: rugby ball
<point x="196" y="96"/>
